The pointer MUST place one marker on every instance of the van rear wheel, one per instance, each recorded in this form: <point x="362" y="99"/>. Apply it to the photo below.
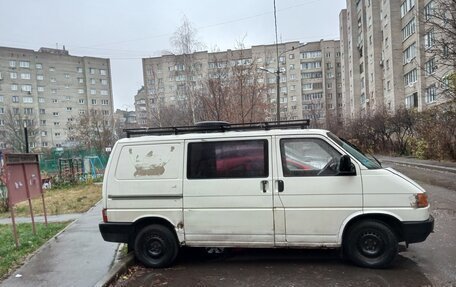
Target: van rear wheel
<point x="371" y="243"/>
<point x="156" y="246"/>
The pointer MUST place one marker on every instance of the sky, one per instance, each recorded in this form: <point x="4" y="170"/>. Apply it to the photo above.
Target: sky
<point x="128" y="30"/>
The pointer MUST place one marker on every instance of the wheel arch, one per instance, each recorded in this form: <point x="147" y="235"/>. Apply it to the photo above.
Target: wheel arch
<point x="160" y="220"/>
<point x="390" y="219"/>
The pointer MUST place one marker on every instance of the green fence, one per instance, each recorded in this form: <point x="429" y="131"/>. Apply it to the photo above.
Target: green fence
<point x="93" y="162"/>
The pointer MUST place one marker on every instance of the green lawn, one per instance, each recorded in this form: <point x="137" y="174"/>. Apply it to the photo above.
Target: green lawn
<point x="10" y="257"/>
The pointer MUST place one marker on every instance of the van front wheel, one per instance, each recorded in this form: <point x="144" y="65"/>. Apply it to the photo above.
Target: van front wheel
<point x="156" y="246"/>
<point x="371" y="243"/>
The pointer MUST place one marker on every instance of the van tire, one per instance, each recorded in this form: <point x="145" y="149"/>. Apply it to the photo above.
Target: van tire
<point x="156" y="246"/>
<point x="371" y="243"/>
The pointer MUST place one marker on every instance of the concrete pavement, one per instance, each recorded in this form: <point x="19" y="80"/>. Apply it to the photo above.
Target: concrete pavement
<point x="50" y="218"/>
<point x="77" y="257"/>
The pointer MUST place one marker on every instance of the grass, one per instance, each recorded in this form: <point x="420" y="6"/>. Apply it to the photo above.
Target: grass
<point x="12" y="257"/>
<point x="75" y="199"/>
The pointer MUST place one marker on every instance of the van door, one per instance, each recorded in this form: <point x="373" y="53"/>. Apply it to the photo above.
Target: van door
<point x="315" y="199"/>
<point x="228" y="192"/>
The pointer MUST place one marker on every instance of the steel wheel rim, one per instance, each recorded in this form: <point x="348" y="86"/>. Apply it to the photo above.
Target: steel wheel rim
<point x="371" y="244"/>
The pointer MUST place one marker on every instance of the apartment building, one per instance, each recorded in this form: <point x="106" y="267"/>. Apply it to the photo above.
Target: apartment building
<point x="141" y="108"/>
<point x="388" y="62"/>
<point x="310" y="78"/>
<point x="49" y="88"/>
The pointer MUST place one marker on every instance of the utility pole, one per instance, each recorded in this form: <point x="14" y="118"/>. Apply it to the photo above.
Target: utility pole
<point x="278" y="65"/>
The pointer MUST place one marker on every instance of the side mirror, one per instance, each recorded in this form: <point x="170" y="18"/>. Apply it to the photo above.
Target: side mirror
<point x="346" y="167"/>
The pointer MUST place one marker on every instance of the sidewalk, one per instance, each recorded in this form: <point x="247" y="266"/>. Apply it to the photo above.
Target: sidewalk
<point x="446" y="166"/>
<point x="50" y="218"/>
<point x="77" y="257"/>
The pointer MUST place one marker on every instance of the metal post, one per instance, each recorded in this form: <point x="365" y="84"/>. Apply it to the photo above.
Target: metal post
<point x="29" y="199"/>
<point x="16" y="237"/>
<point x="278" y="94"/>
<point x="26" y="138"/>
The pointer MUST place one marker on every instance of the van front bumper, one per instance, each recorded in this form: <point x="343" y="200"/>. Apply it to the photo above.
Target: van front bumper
<point x="116" y="231"/>
<point x="418" y="231"/>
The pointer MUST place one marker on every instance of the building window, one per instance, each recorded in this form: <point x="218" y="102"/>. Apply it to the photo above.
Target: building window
<point x="411" y="101"/>
<point x="41" y="100"/>
<point x="42" y="111"/>
<point x="53" y="80"/>
<point x="429" y="39"/>
<point x="310" y="65"/>
<point x="80" y="91"/>
<point x="411" y="77"/>
<point x="40" y="89"/>
<point x="2" y="111"/>
<point x="27" y="100"/>
<point x="430" y="67"/>
<point x="40" y="77"/>
<point x="25" y="76"/>
<point x="102" y="72"/>
<point x="55" y="114"/>
<point x="81" y="101"/>
<point x="28" y="111"/>
<point x="39" y="66"/>
<point x="409" y="29"/>
<point x="429" y="10"/>
<point x="12" y="64"/>
<point x="14" y="87"/>
<point x="42" y="122"/>
<point x="55" y="101"/>
<point x="104" y="81"/>
<point x="431" y="94"/>
<point x="93" y="92"/>
<point x="406" y="6"/>
<point x="56" y="123"/>
<point x="91" y="71"/>
<point x="24" y="64"/>
<point x="93" y="81"/>
<point x="409" y="54"/>
<point x="94" y="101"/>
<point x="104" y="102"/>
<point x="104" y="92"/>
<point x="69" y="109"/>
<point x="311" y="54"/>
<point x="81" y="80"/>
<point x="52" y="69"/>
<point x="79" y="70"/>
<point x="13" y="75"/>
<point x="43" y="133"/>
<point x="26" y="88"/>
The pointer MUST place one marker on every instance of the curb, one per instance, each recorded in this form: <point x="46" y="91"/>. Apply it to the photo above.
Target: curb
<point x="121" y="264"/>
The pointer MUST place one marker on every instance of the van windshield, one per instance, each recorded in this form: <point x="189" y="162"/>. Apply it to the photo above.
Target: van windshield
<point x="355" y="152"/>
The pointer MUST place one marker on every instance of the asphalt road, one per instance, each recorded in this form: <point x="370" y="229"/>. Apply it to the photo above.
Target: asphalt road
<point x="431" y="263"/>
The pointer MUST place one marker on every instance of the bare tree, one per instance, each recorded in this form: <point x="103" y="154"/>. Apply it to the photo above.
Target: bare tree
<point x="233" y="91"/>
<point x="92" y="131"/>
<point x="13" y="132"/>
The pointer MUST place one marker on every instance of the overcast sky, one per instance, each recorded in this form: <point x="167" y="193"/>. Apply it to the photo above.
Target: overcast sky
<point x="126" y="31"/>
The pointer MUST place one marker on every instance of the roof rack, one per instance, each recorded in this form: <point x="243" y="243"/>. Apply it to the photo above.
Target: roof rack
<point x="213" y="126"/>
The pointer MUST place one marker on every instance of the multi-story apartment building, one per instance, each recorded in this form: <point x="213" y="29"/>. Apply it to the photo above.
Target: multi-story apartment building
<point x="387" y="60"/>
<point x="50" y="88"/>
<point x="310" y="78"/>
<point x="141" y="108"/>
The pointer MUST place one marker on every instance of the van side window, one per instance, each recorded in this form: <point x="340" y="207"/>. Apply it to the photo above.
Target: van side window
<point x="228" y="159"/>
<point x="308" y="157"/>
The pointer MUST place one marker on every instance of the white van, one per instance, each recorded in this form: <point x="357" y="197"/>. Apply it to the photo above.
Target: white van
<point x="268" y="185"/>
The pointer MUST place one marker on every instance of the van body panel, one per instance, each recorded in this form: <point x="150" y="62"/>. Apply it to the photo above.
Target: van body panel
<point x="230" y="211"/>
<point x="315" y="205"/>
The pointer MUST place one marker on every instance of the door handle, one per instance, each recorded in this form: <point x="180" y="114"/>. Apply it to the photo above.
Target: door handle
<point x="280" y="185"/>
<point x="264" y="183"/>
